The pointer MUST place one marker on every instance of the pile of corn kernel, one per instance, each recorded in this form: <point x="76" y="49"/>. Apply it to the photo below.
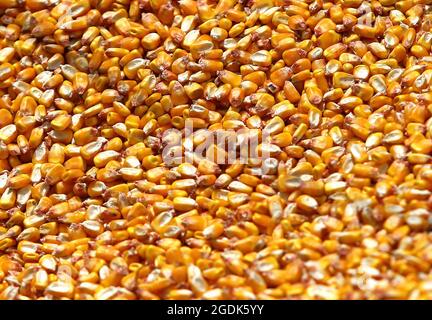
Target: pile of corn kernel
<point x="340" y="210"/>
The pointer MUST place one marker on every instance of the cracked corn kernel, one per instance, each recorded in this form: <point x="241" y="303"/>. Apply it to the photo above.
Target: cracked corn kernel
<point x="337" y="94"/>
